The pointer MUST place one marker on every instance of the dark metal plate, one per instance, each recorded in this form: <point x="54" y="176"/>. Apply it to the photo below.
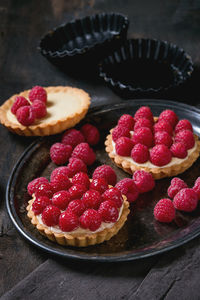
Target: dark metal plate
<point x="141" y="236"/>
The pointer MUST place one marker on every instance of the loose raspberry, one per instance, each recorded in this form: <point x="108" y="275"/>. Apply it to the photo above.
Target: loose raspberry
<point x="39" y="204"/>
<point x="143" y="136"/>
<point x="182" y="125"/>
<point x="144" y="112"/>
<point x="92" y="199"/>
<point x="77" y="207"/>
<point x="160" y="155"/>
<point x="57" y="172"/>
<point x="26" y="115"/>
<point x="68" y="221"/>
<point x="38" y="93"/>
<point x="44" y="189"/>
<point x="60" y="153"/>
<point x="128" y="188"/>
<point x="84" y="152"/>
<point x="179" y="150"/>
<point x="81" y="178"/>
<point x="90" y="219"/>
<point x="72" y="137"/>
<point x="39" y="108"/>
<point x="186" y="200"/>
<point x="186" y="137"/>
<point x="99" y="184"/>
<point x="164" y="211"/>
<point x="33" y="185"/>
<point x="19" y="102"/>
<point x="59" y="182"/>
<point x="126" y="121"/>
<point x="144" y="181"/>
<point x="76" y="191"/>
<point x="108" y="211"/>
<point x="140" y="153"/>
<point x="176" y="185"/>
<point x="143" y="122"/>
<point x="91" y="134"/>
<point x="61" y="199"/>
<point x="196" y="187"/>
<point x="163" y="138"/>
<point x="113" y="194"/>
<point x="76" y="165"/>
<point x="163" y="126"/>
<point x="169" y="116"/>
<point x="50" y="215"/>
<point x="124" y="146"/>
<point x="106" y="172"/>
<point x="120" y="131"/>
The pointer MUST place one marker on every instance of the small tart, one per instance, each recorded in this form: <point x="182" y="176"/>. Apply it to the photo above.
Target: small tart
<point x="178" y="166"/>
<point x="66" y="106"/>
<point x="79" y="239"/>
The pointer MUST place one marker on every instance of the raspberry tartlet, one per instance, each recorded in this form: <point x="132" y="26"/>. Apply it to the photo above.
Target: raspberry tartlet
<point x="162" y="146"/>
<point x="65" y="107"/>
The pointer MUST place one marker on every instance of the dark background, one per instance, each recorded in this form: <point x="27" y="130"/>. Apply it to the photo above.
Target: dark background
<point x="26" y="272"/>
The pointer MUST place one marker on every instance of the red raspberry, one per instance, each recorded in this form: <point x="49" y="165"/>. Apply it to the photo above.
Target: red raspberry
<point x="77" y="207"/>
<point x="143" y="122"/>
<point x="120" y="131"/>
<point x="196" y="187"/>
<point x="81" y="178"/>
<point x="186" y="200"/>
<point x="72" y="137"/>
<point x="92" y="199"/>
<point x="160" y="155"/>
<point x="169" y="116"/>
<point x="59" y="182"/>
<point x="26" y="115"/>
<point x="99" y="184"/>
<point x="57" y="172"/>
<point x="50" y="215"/>
<point x="61" y="199"/>
<point x="40" y="109"/>
<point x="163" y="138"/>
<point x="91" y="134"/>
<point x="144" y="181"/>
<point x="128" y="188"/>
<point x="106" y="172"/>
<point x="126" y="121"/>
<point x="76" y="191"/>
<point x="176" y="185"/>
<point x="186" y="137"/>
<point x="60" y="153"/>
<point x="44" y="189"/>
<point x="33" y="185"/>
<point x="39" y="204"/>
<point x="114" y="195"/>
<point x="163" y="126"/>
<point x="140" y="153"/>
<point x="37" y="93"/>
<point x="178" y="150"/>
<point x="143" y="136"/>
<point x="90" y="219"/>
<point x="164" y="211"/>
<point x="144" y="112"/>
<point x="76" y="165"/>
<point x="108" y="211"/>
<point x="68" y="221"/>
<point x="84" y="152"/>
<point x="124" y="146"/>
<point x="182" y="125"/>
<point x="19" y="102"/>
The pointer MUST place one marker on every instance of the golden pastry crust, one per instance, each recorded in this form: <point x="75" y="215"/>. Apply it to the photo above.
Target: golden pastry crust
<point x="79" y="240"/>
<point x="45" y="126"/>
<point x="157" y="173"/>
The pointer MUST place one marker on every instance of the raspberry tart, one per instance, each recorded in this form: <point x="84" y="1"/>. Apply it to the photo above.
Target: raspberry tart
<point x="44" y="111"/>
<point x="162" y="146"/>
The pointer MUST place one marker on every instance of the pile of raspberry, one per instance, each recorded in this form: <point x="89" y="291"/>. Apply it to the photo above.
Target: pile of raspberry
<point x="145" y="139"/>
<point x="28" y="110"/>
<point x="183" y="199"/>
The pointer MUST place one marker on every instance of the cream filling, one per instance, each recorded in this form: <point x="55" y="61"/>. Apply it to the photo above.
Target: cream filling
<point x="59" y="105"/>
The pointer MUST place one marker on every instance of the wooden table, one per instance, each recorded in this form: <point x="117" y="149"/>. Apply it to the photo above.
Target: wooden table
<point x="26" y="272"/>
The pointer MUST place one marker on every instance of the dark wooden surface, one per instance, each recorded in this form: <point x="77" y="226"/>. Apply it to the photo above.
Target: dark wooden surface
<point x="26" y="272"/>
